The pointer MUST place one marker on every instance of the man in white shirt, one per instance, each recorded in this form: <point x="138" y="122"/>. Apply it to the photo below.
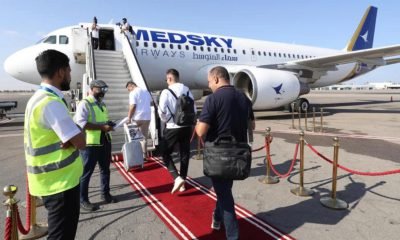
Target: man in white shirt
<point x="95" y="34"/>
<point x="174" y="133"/>
<point x="139" y="111"/>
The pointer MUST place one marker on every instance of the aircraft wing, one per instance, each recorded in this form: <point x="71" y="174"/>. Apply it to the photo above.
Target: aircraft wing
<point x="315" y="67"/>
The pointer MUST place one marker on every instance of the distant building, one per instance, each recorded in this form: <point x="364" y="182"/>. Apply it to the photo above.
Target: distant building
<point x="368" y="86"/>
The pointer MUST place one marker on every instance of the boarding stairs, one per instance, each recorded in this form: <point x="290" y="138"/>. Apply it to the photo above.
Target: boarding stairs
<point x="116" y="68"/>
<point x="111" y="67"/>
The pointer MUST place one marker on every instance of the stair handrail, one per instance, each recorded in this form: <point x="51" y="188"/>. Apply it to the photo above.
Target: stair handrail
<point x="126" y="38"/>
<point x="90" y="62"/>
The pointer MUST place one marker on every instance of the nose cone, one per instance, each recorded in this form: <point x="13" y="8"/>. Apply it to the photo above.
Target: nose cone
<point x="21" y="65"/>
<point x="12" y="67"/>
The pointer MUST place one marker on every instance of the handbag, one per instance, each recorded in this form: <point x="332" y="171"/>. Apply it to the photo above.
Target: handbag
<point x="225" y="158"/>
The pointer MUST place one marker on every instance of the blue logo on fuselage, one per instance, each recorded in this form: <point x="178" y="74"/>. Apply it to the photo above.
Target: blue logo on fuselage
<point x="178" y="38"/>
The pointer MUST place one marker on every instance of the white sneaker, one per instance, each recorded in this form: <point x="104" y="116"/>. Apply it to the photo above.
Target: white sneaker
<point x="216" y="225"/>
<point x="183" y="188"/>
<point x="178" y="182"/>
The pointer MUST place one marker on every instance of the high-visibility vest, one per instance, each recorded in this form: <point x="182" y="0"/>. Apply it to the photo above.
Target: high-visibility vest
<point x="97" y="115"/>
<point x="50" y="168"/>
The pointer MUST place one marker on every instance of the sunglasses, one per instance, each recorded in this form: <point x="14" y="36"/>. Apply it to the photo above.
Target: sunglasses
<point x="103" y="89"/>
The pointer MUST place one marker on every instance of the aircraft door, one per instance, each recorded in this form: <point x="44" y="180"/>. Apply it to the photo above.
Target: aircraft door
<point x="253" y="55"/>
<point x="79" y="41"/>
<point x="106" y="39"/>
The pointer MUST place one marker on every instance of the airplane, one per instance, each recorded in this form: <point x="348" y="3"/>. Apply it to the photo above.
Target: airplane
<point x="271" y="74"/>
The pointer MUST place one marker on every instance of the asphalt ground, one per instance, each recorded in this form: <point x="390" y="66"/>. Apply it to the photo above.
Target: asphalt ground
<point x="367" y="124"/>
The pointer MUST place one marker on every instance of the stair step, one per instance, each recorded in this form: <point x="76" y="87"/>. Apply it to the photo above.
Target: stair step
<point x="108" y="53"/>
<point x="108" y="71"/>
<point x="109" y="67"/>
<point x="113" y="75"/>
<point x="110" y="64"/>
<point x="109" y="59"/>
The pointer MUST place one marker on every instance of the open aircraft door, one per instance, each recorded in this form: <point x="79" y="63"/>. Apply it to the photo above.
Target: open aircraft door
<point x="79" y="42"/>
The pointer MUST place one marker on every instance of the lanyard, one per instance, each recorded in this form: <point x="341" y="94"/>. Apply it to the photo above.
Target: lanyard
<point x="51" y="91"/>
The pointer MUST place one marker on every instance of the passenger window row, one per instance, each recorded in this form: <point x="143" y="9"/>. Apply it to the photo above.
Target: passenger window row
<point x="222" y="50"/>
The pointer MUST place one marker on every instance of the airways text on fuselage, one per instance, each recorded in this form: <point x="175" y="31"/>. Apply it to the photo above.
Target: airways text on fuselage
<point x="178" y="38"/>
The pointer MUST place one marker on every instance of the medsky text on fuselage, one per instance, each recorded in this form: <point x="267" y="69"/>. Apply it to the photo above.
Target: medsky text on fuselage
<point x="178" y="38"/>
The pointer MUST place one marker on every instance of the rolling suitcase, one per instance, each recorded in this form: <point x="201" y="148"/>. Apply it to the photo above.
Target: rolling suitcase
<point x="132" y="149"/>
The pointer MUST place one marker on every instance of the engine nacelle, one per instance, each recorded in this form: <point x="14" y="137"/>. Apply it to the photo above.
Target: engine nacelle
<point x="267" y="88"/>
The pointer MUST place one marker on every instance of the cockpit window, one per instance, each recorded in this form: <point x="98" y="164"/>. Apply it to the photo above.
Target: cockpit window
<point x="51" y="39"/>
<point x="63" y="39"/>
<point x="40" y="41"/>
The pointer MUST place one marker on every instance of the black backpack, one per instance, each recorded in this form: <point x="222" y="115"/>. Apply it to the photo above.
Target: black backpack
<point x="184" y="110"/>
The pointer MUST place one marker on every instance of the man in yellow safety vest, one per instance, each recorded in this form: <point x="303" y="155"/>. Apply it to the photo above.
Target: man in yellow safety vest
<point x="51" y="142"/>
<point x="92" y="115"/>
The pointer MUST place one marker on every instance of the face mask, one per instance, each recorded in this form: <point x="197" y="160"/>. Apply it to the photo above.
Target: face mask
<point x="99" y="96"/>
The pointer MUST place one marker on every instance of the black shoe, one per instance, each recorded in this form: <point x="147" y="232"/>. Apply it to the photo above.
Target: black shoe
<point x="108" y="198"/>
<point x="89" y="207"/>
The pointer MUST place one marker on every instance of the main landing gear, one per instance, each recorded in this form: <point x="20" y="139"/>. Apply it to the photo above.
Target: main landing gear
<point x="301" y="103"/>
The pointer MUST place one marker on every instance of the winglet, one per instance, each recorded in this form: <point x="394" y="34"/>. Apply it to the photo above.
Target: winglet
<point x="363" y="37"/>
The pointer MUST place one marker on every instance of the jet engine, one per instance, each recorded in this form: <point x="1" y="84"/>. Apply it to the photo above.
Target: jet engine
<point x="267" y="88"/>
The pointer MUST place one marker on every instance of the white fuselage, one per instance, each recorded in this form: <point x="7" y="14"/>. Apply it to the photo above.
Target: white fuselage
<point x="190" y="53"/>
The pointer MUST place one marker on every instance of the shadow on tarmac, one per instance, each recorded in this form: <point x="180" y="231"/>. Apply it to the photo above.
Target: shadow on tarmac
<point x="311" y="210"/>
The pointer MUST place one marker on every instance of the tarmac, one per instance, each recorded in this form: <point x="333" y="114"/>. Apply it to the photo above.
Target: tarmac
<point x="366" y="123"/>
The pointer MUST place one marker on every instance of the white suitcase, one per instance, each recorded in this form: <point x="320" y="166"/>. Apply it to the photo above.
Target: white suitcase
<point x="132" y="149"/>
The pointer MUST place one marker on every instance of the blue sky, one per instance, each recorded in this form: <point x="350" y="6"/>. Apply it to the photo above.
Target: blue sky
<point x="320" y="23"/>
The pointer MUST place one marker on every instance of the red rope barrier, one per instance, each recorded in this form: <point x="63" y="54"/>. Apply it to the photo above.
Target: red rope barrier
<point x="354" y="171"/>
<point x="7" y="229"/>
<point x="291" y="165"/>
<point x="21" y="228"/>
<point x="258" y="149"/>
<point x="193" y="134"/>
<point x="201" y="140"/>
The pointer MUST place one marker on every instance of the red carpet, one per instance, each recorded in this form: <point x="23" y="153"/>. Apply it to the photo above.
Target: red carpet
<point x="188" y="214"/>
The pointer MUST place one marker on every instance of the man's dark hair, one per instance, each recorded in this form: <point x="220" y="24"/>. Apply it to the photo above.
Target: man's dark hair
<point x="130" y="83"/>
<point x="50" y="61"/>
<point x="174" y="73"/>
<point x="220" y="72"/>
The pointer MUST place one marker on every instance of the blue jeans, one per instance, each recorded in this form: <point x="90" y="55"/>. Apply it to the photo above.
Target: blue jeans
<point x="225" y="207"/>
<point x="92" y="155"/>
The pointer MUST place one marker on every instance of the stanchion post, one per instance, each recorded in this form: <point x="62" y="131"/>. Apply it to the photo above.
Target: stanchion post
<point x="37" y="230"/>
<point x="39" y="201"/>
<point x="268" y="179"/>
<point x="199" y="156"/>
<point x="292" y="107"/>
<point x="322" y="120"/>
<point x="10" y="191"/>
<point x="305" y="120"/>
<point x="299" y="115"/>
<point x="332" y="201"/>
<point x="313" y="118"/>
<point x="301" y="190"/>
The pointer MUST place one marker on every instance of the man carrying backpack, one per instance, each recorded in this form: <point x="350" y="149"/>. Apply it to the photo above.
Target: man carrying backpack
<point x="177" y="109"/>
